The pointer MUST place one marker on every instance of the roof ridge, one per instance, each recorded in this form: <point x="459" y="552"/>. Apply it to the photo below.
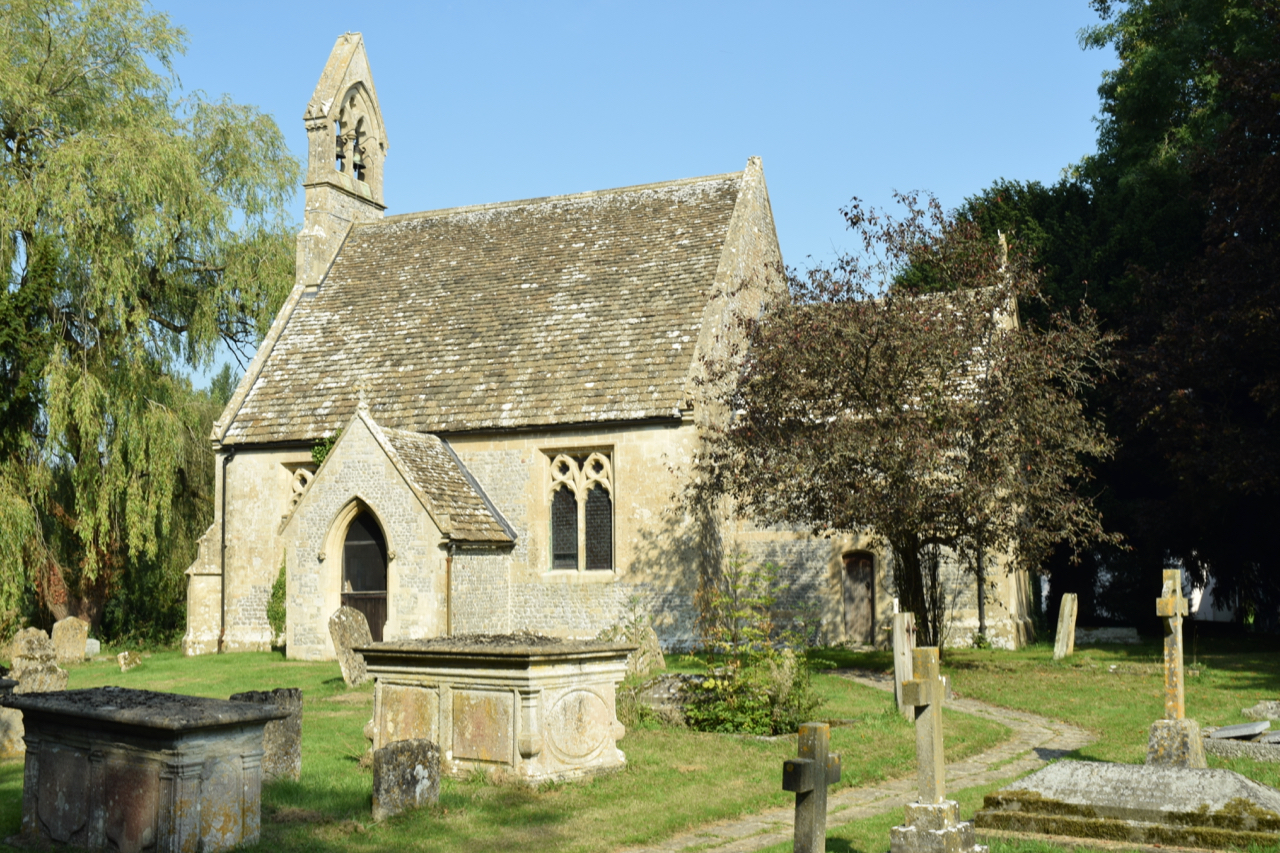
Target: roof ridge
<point x="499" y="205"/>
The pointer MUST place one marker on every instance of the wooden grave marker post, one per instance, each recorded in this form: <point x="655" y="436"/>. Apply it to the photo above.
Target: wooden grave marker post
<point x="904" y="643"/>
<point x="808" y="777"/>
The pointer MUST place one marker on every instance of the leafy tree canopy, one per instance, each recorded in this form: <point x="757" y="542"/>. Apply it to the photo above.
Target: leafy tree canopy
<point x="931" y="419"/>
<point x="138" y="229"/>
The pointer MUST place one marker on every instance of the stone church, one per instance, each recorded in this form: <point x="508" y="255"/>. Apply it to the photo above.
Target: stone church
<point x="509" y="396"/>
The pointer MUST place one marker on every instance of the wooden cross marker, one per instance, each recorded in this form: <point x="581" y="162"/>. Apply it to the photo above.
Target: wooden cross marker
<point x="808" y="776"/>
<point x="925" y="692"/>
<point x="1171" y="607"/>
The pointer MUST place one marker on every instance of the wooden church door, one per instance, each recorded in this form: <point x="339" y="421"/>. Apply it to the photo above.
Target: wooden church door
<point x="364" y="572"/>
<point x="859" y="601"/>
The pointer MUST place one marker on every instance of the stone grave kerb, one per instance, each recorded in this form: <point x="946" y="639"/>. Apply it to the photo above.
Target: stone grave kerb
<point x="924" y="692"/>
<point x="808" y="776"/>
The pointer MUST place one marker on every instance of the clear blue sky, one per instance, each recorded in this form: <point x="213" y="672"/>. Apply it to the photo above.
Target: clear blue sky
<point x="489" y="102"/>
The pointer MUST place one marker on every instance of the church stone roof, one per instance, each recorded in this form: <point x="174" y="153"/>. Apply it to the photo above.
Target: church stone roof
<point x="455" y="500"/>
<point x="564" y="310"/>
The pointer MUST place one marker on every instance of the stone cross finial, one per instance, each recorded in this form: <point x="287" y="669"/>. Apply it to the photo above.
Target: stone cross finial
<point x="1171" y="607"/>
<point x="808" y="776"/>
<point x="925" y="692"/>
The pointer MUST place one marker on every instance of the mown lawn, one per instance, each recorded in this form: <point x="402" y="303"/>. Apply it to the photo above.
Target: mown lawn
<point x="1113" y="691"/>
<point x="674" y="779"/>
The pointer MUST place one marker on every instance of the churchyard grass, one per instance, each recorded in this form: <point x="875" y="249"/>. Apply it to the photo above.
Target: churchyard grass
<point x="674" y="780"/>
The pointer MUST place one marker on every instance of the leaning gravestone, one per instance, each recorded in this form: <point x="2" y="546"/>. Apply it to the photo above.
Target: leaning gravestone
<point x="69" y="638"/>
<point x="281" y="739"/>
<point x="406" y="775"/>
<point x="128" y="660"/>
<point x="34" y="663"/>
<point x="933" y="822"/>
<point x="1174" y="741"/>
<point x="1138" y="804"/>
<point x="1064" y="643"/>
<point x="350" y="630"/>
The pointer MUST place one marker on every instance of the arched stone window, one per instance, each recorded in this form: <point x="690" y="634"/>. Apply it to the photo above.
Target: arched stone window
<point x="364" y="570"/>
<point x="582" y="512"/>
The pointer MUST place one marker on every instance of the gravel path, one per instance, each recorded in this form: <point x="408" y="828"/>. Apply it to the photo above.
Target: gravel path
<point x="1036" y="741"/>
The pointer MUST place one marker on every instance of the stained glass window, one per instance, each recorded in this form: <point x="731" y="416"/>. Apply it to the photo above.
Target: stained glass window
<point x="564" y="530"/>
<point x="599" y="529"/>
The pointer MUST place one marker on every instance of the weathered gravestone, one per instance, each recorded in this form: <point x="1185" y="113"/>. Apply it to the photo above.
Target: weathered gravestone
<point x="350" y="630"/>
<point x="1064" y="644"/>
<point x="128" y="660"/>
<point x="1174" y="741"/>
<point x="34" y="664"/>
<point x="1264" y="710"/>
<point x="933" y="822"/>
<point x="904" y="642"/>
<point x="406" y="775"/>
<point x="69" y="638"/>
<point x="1137" y="804"/>
<point x="808" y="776"/>
<point x="11" y="745"/>
<point x="281" y="739"/>
<point x="92" y="648"/>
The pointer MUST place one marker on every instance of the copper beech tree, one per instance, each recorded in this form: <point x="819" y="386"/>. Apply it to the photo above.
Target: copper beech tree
<point x="896" y="392"/>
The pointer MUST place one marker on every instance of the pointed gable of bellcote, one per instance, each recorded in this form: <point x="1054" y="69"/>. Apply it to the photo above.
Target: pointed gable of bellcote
<point x="579" y="309"/>
<point x="429" y="468"/>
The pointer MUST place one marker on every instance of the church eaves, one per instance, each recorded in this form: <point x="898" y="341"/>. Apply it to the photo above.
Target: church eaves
<point x="565" y="310"/>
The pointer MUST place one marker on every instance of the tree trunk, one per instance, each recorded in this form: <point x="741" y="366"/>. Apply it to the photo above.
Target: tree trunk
<point x="909" y="579"/>
<point x="981" y="572"/>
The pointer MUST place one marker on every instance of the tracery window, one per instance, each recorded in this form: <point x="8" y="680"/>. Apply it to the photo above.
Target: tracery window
<point x="582" y="512"/>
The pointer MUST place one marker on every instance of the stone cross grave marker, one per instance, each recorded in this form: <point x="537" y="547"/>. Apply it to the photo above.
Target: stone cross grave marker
<point x="1174" y="740"/>
<point x="924" y="693"/>
<point x="1064" y="644"/>
<point x="808" y="777"/>
<point x="1171" y="607"/>
<point x="904" y="641"/>
<point x="932" y="823"/>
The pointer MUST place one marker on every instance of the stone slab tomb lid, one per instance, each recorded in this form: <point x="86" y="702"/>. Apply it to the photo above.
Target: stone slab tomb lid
<point x="1241" y="730"/>
<point x="510" y="647"/>
<point x="147" y="709"/>
<point x="1147" y="793"/>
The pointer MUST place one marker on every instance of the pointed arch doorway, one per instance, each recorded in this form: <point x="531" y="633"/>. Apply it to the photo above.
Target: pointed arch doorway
<point x="364" y="571"/>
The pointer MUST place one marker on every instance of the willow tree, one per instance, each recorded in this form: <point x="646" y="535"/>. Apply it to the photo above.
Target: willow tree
<point x="138" y="230"/>
<point x="897" y="394"/>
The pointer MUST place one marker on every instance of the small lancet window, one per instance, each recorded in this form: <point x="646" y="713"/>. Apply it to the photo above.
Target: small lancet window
<point x="599" y="512"/>
<point x="564" y="530"/>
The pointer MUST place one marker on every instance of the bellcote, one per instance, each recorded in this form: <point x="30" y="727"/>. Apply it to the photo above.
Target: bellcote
<point x="345" y="135"/>
<point x="347" y="147"/>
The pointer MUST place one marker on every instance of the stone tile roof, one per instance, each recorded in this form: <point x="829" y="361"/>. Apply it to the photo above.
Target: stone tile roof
<point x="572" y="309"/>
<point x="456" y="502"/>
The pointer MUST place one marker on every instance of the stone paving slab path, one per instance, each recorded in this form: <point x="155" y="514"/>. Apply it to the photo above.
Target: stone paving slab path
<point x="1035" y="742"/>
